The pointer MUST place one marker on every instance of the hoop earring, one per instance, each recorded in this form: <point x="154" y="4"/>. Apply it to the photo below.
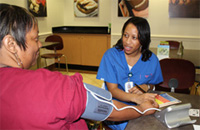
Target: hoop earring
<point x="19" y="62"/>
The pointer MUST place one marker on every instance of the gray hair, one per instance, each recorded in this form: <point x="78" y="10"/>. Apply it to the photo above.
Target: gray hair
<point x="16" y="21"/>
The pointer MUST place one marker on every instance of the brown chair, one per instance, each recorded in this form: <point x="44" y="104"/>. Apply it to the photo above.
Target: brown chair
<point x="55" y="55"/>
<point x="181" y="70"/>
<point x="173" y="44"/>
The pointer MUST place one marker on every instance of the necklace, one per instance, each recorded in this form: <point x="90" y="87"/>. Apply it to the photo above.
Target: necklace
<point x="3" y="65"/>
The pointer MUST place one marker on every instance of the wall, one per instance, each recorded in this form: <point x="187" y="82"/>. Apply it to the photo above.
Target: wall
<point x="55" y="17"/>
<point x="162" y="27"/>
<point x="60" y="12"/>
<point x="55" y="14"/>
<point x="102" y="20"/>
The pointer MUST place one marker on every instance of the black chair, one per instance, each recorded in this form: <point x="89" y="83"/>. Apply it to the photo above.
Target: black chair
<point x="55" y="55"/>
<point x="174" y="70"/>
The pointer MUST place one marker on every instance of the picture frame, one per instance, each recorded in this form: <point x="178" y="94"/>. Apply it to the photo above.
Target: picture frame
<point x="37" y="7"/>
<point x="184" y="8"/>
<point x="86" y="8"/>
<point x="129" y="8"/>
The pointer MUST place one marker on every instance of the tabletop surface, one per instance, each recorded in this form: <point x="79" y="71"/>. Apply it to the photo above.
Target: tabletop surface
<point x="45" y="44"/>
<point x="188" y="54"/>
<point x="150" y="122"/>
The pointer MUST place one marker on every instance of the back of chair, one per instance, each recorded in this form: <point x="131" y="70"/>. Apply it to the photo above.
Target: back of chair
<point x="180" y="69"/>
<point x="173" y="44"/>
<point x="54" y="38"/>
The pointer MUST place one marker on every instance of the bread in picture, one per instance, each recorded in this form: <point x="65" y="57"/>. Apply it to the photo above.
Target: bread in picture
<point x="86" y="6"/>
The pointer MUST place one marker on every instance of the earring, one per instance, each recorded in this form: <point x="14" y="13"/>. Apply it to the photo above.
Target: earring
<point x="19" y="62"/>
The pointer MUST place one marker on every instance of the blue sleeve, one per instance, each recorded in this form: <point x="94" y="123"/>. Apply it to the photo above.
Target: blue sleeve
<point x="106" y="71"/>
<point x="157" y="76"/>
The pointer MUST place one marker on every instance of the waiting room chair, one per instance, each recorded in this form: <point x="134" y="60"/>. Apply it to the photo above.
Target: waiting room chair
<point x="179" y="69"/>
<point x="55" y="55"/>
<point x="173" y="44"/>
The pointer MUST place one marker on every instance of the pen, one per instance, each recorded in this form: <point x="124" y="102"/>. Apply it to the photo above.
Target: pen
<point x="140" y="88"/>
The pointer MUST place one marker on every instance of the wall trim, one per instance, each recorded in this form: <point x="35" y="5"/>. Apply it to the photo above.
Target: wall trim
<point x="189" y="42"/>
<point x="166" y="36"/>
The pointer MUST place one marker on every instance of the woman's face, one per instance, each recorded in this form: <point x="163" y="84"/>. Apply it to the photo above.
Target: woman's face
<point x="130" y="40"/>
<point x="29" y="57"/>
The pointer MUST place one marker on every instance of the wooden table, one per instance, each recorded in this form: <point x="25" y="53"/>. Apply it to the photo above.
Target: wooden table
<point x="150" y="122"/>
<point x="44" y="45"/>
<point x="188" y="54"/>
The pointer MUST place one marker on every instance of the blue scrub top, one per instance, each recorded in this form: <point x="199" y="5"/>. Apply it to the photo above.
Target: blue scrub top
<point x="114" y="69"/>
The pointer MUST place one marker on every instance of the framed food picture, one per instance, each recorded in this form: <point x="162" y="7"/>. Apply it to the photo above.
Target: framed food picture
<point x="37" y="7"/>
<point x="86" y="8"/>
<point x="128" y="8"/>
<point x="184" y="8"/>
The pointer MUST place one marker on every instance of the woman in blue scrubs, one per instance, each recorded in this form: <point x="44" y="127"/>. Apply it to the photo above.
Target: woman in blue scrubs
<point x="128" y="63"/>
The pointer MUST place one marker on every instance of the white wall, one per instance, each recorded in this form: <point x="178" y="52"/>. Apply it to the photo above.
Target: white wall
<point x="21" y="3"/>
<point x="162" y="27"/>
<point x="102" y="20"/>
<point x="55" y="14"/>
<point x="61" y="13"/>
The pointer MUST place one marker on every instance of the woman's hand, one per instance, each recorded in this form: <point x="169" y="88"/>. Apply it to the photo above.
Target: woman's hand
<point x="135" y="90"/>
<point x="140" y="98"/>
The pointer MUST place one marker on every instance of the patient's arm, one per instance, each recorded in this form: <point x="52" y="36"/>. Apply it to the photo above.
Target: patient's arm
<point x="130" y="113"/>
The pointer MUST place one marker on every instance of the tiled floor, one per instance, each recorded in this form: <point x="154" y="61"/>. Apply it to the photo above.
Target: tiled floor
<point x="88" y="77"/>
